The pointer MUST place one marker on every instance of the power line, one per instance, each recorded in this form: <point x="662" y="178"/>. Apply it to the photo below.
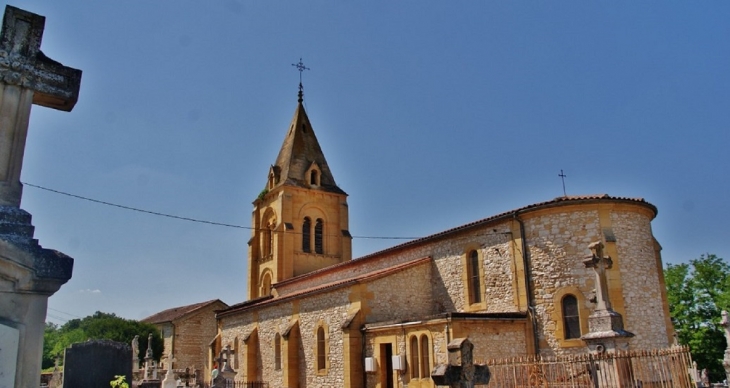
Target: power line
<point x="63" y="312"/>
<point x="159" y="214"/>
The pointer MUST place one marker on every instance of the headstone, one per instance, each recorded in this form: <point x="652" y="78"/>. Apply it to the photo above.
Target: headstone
<point x="226" y="373"/>
<point x="95" y="363"/>
<point x="460" y="372"/>
<point x="29" y="274"/>
<point x="169" y="381"/>
<point x="8" y="355"/>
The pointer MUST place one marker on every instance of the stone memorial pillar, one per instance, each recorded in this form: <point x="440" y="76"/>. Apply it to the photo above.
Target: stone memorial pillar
<point x="606" y="332"/>
<point x="29" y="274"/>
<point x="605" y="327"/>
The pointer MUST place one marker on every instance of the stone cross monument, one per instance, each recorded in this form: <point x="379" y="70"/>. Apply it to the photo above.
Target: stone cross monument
<point x="460" y="372"/>
<point x="29" y="274"/>
<point x="605" y="326"/>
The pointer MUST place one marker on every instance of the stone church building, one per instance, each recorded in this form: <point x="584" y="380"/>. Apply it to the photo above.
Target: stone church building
<point x="514" y="283"/>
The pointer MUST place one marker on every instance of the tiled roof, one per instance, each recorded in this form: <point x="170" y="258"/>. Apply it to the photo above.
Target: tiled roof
<point x="325" y="287"/>
<point x="174" y="313"/>
<point x="559" y="201"/>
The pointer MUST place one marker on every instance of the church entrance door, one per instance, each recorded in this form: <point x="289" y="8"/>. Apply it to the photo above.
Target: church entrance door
<point x="386" y="355"/>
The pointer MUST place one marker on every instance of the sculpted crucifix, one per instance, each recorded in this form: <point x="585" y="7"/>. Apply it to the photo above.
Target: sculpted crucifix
<point x="600" y="264"/>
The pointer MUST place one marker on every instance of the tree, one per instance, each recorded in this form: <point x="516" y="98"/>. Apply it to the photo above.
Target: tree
<point x="697" y="293"/>
<point x="98" y="326"/>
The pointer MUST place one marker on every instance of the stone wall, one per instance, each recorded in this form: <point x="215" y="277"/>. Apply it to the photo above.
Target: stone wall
<point x="642" y="289"/>
<point x="558" y="241"/>
<point x="192" y="336"/>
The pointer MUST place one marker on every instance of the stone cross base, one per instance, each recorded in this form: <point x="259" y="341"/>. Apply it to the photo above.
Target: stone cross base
<point x="601" y="321"/>
<point x="606" y="332"/>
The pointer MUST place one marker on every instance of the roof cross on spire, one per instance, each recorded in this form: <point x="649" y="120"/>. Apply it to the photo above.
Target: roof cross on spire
<point x="300" y="66"/>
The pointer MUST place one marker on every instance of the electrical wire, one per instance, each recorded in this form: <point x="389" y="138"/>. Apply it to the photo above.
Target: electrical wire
<point x="159" y="214"/>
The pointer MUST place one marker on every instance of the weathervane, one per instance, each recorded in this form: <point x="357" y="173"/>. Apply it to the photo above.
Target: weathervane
<point x="562" y="177"/>
<point x="300" y="66"/>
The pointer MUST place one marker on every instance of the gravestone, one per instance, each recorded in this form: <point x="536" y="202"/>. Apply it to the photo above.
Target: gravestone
<point x="95" y="363"/>
<point x="226" y="373"/>
<point x="460" y="372"/>
<point x="29" y="274"/>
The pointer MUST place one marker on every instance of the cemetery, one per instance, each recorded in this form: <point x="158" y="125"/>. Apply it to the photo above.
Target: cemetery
<point x="339" y="322"/>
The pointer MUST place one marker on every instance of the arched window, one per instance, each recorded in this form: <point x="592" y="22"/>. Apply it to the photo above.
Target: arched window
<point x="313" y="178"/>
<point x="425" y="361"/>
<point x="321" y="350"/>
<point x="266" y="285"/>
<point x="571" y="319"/>
<point x="306" y="235"/>
<point x="277" y="352"/>
<point x="475" y="284"/>
<point x="414" y="358"/>
<point x="318" y="248"/>
<point x="267" y="242"/>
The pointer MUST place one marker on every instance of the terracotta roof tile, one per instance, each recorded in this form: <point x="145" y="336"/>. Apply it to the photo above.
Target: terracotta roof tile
<point x="174" y="313"/>
<point x="559" y="201"/>
<point x="326" y="287"/>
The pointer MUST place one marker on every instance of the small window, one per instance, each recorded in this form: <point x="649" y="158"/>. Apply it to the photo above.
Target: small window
<point x="266" y="285"/>
<point x="306" y="235"/>
<point x="425" y="360"/>
<point x="318" y="248"/>
<point x="475" y="284"/>
<point x="571" y="318"/>
<point x="321" y="350"/>
<point x="314" y="178"/>
<point x="267" y="242"/>
<point x="414" y="358"/>
<point x="277" y="352"/>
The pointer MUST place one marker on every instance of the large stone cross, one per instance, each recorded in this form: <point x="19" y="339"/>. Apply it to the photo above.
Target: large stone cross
<point x="27" y="77"/>
<point x="600" y="264"/>
<point x="460" y="372"/>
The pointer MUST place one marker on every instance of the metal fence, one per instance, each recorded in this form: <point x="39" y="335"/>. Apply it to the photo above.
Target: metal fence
<point x="242" y="384"/>
<point x="663" y="368"/>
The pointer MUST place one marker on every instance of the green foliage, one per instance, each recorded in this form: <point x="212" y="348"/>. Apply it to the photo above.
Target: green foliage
<point x="98" y="326"/>
<point x="697" y="294"/>
<point x="120" y="381"/>
<point x="49" y="342"/>
<point x="263" y="193"/>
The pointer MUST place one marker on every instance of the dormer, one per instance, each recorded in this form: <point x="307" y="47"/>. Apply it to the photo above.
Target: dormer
<point x="274" y="174"/>
<point x="314" y="175"/>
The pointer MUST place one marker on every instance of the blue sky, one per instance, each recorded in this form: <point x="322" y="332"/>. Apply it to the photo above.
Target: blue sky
<point x="430" y="114"/>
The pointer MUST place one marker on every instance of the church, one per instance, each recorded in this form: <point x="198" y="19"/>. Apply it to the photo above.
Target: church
<point x="514" y="283"/>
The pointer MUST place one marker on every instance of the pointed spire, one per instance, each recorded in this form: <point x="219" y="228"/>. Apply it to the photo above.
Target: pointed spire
<point x="299" y="155"/>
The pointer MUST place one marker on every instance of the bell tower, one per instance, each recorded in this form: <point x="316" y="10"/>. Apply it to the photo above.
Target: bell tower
<point x="300" y="219"/>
